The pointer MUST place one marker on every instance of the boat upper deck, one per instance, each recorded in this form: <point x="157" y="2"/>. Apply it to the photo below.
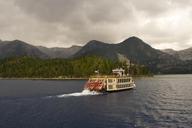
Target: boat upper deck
<point x="108" y="76"/>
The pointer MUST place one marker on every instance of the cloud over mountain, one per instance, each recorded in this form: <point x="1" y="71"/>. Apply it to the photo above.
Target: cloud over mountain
<point x="67" y="22"/>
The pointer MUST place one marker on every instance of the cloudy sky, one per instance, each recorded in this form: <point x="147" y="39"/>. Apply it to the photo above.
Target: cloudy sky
<point x="62" y="23"/>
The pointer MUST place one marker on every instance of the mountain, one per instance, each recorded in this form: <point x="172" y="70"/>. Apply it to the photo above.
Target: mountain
<point x="135" y="50"/>
<point x="97" y="48"/>
<point x="184" y="55"/>
<point x="169" y="51"/>
<point x="59" y="52"/>
<point x="19" y="48"/>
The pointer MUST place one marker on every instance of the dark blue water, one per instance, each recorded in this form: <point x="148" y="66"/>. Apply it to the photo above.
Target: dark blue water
<point x="157" y="102"/>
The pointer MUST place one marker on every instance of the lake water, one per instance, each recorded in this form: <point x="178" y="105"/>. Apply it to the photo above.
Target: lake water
<point x="156" y="102"/>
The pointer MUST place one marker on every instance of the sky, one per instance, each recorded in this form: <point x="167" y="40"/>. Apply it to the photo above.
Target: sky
<point x="63" y="23"/>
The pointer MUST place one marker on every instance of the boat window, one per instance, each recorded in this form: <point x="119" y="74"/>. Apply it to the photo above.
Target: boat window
<point x="120" y="86"/>
<point x="110" y="86"/>
<point x="110" y="80"/>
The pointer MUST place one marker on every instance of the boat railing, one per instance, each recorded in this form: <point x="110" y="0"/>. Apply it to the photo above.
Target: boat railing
<point x="107" y="76"/>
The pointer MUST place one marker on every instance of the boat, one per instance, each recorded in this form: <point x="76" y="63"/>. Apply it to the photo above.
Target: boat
<point x="118" y="81"/>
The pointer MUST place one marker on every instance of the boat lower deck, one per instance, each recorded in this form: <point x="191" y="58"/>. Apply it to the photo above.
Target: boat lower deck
<point x="110" y="84"/>
<point x="121" y="89"/>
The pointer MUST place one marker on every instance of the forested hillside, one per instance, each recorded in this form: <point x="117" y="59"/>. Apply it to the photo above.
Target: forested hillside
<point x="23" y="67"/>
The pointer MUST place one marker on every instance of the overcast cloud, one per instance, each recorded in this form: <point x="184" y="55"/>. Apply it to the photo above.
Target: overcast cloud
<point x="62" y="23"/>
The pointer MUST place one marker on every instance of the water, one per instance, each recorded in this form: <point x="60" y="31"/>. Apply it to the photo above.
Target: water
<point x="157" y="102"/>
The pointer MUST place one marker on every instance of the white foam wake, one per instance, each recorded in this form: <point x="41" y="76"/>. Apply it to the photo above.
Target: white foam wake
<point x="76" y="94"/>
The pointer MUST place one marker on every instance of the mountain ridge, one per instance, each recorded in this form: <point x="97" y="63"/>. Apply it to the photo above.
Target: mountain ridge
<point x="185" y="54"/>
<point x="133" y="48"/>
<point x="57" y="52"/>
<point x="18" y="48"/>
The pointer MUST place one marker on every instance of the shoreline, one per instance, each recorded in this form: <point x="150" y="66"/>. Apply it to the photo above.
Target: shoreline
<point x="43" y="78"/>
<point x="57" y="78"/>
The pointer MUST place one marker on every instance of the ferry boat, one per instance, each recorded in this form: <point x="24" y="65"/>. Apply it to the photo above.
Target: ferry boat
<point x="108" y="83"/>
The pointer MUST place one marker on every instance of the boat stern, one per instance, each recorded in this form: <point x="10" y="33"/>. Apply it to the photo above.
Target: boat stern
<point x="95" y="85"/>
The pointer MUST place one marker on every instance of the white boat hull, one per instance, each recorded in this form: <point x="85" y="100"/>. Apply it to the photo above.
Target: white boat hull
<point x="122" y="89"/>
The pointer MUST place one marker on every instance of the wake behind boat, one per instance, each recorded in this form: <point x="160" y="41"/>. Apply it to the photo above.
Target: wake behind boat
<point x="109" y="83"/>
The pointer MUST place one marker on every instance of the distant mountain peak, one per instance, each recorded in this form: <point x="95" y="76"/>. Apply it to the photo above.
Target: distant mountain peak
<point x="133" y="39"/>
<point x="95" y="42"/>
<point x="169" y="51"/>
<point x="17" y="48"/>
<point x="18" y="41"/>
<point x="134" y="42"/>
<point x="74" y="46"/>
<point x="58" y="52"/>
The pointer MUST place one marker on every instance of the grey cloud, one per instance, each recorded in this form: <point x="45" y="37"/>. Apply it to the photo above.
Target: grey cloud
<point x="92" y="10"/>
<point x="51" y="10"/>
<point x="151" y="7"/>
<point x="84" y="19"/>
<point x="68" y="22"/>
<point x="70" y="10"/>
